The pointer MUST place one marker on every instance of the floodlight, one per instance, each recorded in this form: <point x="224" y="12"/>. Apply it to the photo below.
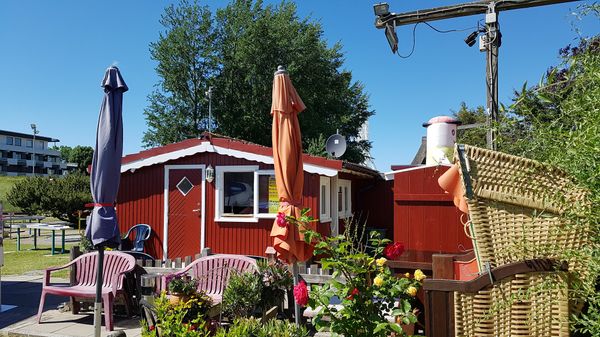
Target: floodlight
<point x="470" y="40"/>
<point x="381" y="9"/>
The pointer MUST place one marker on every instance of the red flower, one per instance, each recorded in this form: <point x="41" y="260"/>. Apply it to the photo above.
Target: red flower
<point x="151" y="328"/>
<point x="393" y="250"/>
<point x="353" y="293"/>
<point x="301" y="294"/>
<point x="281" y="220"/>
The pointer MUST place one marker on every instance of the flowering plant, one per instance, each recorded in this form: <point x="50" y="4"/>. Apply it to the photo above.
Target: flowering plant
<point x="374" y="302"/>
<point x="276" y="281"/>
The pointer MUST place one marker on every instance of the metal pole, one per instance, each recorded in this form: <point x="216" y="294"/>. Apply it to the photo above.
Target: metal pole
<point x="33" y="146"/>
<point x="209" y="94"/>
<point x="492" y="46"/>
<point x="297" y="311"/>
<point x="98" y="302"/>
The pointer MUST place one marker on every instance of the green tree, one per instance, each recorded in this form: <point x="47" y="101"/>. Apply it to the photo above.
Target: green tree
<point x="473" y="136"/>
<point x="65" y="151"/>
<point x="186" y="65"/>
<point x="82" y="156"/>
<point x="251" y="40"/>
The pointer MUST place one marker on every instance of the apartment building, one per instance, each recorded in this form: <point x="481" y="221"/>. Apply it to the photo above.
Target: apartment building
<point x="21" y="155"/>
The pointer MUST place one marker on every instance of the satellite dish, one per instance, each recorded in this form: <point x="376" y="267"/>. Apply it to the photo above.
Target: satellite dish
<point x="336" y="145"/>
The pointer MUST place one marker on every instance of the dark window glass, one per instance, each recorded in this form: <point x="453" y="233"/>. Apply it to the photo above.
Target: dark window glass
<point x="238" y="193"/>
<point x="9" y="140"/>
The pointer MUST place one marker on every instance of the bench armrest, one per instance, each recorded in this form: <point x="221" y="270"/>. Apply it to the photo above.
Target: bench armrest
<point x="47" y="271"/>
<point x="115" y="281"/>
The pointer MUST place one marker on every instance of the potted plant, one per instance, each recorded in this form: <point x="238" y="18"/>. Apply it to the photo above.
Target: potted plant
<point x="181" y="288"/>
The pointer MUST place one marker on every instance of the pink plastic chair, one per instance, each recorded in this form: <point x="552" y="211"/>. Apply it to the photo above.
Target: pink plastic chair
<point x="213" y="272"/>
<point x="116" y="264"/>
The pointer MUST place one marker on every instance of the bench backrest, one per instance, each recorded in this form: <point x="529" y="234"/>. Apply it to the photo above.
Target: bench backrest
<point x="213" y="272"/>
<point x="114" y="263"/>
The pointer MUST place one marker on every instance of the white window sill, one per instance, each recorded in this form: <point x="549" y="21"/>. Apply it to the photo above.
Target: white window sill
<point x="266" y="216"/>
<point x="325" y="219"/>
<point x="236" y="219"/>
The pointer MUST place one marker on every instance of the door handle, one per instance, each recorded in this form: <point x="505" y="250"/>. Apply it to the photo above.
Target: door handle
<point x="197" y="211"/>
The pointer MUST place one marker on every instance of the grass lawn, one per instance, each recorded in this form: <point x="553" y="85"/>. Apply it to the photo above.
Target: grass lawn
<point x="6" y="183"/>
<point x="27" y="260"/>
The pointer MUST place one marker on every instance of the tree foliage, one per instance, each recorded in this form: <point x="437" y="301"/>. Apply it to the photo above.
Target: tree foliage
<point x="57" y="197"/>
<point x="237" y="51"/>
<point x="473" y="136"/>
<point x="80" y="155"/>
<point x="186" y="65"/>
<point x="558" y="122"/>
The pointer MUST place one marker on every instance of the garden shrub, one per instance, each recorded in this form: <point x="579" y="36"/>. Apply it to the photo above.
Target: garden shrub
<point x="184" y="319"/>
<point x="252" y="327"/>
<point x="60" y="197"/>
<point x="242" y="295"/>
<point x="276" y="280"/>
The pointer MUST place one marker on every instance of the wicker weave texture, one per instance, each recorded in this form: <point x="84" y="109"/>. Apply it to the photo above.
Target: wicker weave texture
<point x="533" y="304"/>
<point x="517" y="209"/>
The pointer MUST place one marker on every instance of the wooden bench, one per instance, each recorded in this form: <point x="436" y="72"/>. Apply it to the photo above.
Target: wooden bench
<point x="116" y="264"/>
<point x="213" y="272"/>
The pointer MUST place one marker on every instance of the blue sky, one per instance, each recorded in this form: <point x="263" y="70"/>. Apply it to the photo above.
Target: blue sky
<point x="54" y="54"/>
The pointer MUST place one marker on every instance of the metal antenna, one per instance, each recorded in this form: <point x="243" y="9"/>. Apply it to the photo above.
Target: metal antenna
<point x="209" y="95"/>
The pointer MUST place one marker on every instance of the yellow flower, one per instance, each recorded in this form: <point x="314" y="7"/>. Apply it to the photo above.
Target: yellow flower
<point x="378" y="281"/>
<point x="381" y="261"/>
<point x="407" y="275"/>
<point x="412" y="291"/>
<point x="419" y="275"/>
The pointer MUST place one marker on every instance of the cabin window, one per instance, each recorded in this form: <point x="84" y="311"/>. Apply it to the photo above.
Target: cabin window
<point x="344" y="198"/>
<point x="267" y="198"/>
<point x="245" y="194"/>
<point x="17" y="141"/>
<point x="29" y="143"/>
<point x="9" y="140"/>
<point x="325" y="199"/>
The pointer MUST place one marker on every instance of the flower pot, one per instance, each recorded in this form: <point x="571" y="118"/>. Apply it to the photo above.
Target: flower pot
<point x="175" y="298"/>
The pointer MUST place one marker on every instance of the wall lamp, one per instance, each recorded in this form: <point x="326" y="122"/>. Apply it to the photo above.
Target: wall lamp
<point x="210" y="174"/>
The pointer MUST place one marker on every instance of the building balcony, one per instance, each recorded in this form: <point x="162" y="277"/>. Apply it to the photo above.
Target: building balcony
<point x="12" y="161"/>
<point x="24" y="149"/>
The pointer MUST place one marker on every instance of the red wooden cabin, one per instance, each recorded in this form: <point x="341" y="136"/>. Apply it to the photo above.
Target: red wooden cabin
<point x="170" y="188"/>
<point x="425" y="218"/>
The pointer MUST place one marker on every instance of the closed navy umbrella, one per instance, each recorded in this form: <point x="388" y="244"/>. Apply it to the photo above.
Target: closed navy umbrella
<point x="102" y="226"/>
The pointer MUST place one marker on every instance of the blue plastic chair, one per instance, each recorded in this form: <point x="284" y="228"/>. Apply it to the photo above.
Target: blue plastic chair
<point x="141" y="234"/>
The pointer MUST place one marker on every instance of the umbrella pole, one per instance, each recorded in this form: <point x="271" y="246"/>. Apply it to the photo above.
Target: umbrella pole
<point x="98" y="302"/>
<point x="297" y="311"/>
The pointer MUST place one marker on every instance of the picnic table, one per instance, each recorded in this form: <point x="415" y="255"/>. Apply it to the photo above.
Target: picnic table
<point x="11" y="219"/>
<point x="38" y="227"/>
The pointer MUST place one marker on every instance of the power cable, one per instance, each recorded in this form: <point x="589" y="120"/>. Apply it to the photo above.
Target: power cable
<point x="414" y="43"/>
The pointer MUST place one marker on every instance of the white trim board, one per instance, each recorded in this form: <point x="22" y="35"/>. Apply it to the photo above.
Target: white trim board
<point x="166" y="205"/>
<point x="207" y="147"/>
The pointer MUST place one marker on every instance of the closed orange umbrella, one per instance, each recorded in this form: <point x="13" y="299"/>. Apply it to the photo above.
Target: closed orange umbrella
<point x="289" y="173"/>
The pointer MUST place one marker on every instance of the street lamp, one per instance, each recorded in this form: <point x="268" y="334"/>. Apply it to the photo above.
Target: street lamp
<point x="35" y="132"/>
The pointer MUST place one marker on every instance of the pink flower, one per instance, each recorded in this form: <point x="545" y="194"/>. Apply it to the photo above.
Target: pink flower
<point x="281" y="220"/>
<point x="301" y="294"/>
<point x="353" y="293"/>
<point x="393" y="250"/>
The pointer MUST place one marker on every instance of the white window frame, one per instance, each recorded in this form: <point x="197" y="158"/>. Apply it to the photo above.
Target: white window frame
<point x="325" y="214"/>
<point x="345" y="186"/>
<point x="256" y="214"/>
<point x="219" y="177"/>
